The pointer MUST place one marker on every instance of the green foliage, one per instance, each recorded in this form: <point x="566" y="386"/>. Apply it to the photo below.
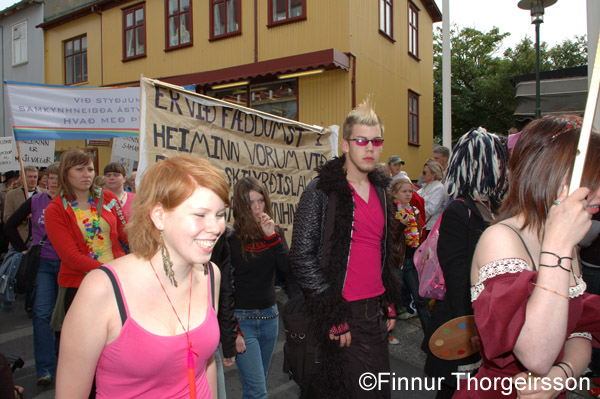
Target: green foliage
<point x="482" y="92"/>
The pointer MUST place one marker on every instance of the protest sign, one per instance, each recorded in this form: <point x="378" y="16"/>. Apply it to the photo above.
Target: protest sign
<point x="8" y="154"/>
<point x="125" y="151"/>
<point x="45" y="112"/>
<point x="38" y="153"/>
<point x="280" y="153"/>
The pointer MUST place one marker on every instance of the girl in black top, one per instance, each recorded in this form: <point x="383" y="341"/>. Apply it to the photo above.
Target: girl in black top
<point x="257" y="247"/>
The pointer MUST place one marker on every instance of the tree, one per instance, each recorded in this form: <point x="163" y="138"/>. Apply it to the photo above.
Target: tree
<point x="482" y="92"/>
<point x="569" y="53"/>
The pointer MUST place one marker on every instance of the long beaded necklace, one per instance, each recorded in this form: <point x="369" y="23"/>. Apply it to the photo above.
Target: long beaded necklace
<point x="190" y="355"/>
<point x="92" y="227"/>
<point x="411" y="232"/>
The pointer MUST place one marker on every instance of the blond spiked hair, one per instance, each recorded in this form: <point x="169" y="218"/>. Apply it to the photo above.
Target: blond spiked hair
<point x="363" y="114"/>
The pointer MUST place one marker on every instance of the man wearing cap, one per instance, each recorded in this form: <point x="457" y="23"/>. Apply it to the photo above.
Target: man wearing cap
<point x="15" y="197"/>
<point x="395" y="166"/>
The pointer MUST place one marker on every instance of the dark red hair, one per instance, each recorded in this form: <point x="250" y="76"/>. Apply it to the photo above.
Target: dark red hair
<point x="543" y="156"/>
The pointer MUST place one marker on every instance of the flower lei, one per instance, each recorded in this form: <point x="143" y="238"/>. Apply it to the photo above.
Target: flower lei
<point x="411" y="232"/>
<point x="92" y="227"/>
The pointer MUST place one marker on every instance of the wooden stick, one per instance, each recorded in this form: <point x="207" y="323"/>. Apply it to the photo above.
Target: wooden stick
<point x="586" y="127"/>
<point x="23" y="179"/>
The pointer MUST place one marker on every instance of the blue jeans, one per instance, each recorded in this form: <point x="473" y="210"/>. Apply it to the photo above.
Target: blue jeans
<point x="410" y="277"/>
<point x="591" y="276"/>
<point x="45" y="341"/>
<point x="260" y="336"/>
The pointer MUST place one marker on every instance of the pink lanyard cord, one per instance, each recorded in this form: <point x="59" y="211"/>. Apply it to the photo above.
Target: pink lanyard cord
<point x="190" y="356"/>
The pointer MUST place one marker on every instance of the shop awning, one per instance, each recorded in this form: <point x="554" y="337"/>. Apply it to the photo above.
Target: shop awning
<point x="328" y="59"/>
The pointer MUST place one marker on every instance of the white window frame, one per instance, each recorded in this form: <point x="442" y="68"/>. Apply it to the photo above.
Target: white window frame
<point x="19" y="44"/>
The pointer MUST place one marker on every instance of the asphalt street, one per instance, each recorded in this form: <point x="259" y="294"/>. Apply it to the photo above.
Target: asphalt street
<point x="406" y="360"/>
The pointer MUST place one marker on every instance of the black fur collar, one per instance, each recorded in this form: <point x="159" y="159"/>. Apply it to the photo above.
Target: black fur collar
<point x="332" y="177"/>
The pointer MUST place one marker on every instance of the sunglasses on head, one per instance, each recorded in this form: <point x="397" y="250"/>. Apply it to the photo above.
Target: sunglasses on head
<point x="361" y="141"/>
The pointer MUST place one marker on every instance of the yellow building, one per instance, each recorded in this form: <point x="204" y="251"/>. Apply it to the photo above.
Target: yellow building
<point x="303" y="59"/>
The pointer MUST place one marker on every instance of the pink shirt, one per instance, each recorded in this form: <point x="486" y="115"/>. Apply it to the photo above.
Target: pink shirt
<point x="127" y="206"/>
<point x="140" y="364"/>
<point x="363" y="278"/>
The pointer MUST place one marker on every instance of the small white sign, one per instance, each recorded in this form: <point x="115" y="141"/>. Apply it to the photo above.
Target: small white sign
<point x="38" y="153"/>
<point x="8" y="157"/>
<point x="125" y="150"/>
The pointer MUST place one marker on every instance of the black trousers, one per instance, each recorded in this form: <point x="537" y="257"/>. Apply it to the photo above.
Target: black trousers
<point x="368" y="351"/>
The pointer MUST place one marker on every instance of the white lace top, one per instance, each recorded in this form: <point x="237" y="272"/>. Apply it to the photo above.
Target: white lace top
<point x="511" y="266"/>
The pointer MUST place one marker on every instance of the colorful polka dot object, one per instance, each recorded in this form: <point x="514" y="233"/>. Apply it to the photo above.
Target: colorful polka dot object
<point x="452" y="340"/>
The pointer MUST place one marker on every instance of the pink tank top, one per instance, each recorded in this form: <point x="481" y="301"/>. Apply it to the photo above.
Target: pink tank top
<point x="140" y="364"/>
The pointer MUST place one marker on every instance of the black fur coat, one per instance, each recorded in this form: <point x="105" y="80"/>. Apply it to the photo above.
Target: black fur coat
<point x="319" y="259"/>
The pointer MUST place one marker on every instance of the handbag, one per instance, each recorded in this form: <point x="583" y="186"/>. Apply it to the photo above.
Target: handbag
<point x="300" y="358"/>
<point x="28" y="268"/>
<point x="431" y="277"/>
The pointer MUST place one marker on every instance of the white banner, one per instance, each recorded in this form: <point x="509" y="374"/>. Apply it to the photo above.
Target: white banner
<point x="44" y="112"/>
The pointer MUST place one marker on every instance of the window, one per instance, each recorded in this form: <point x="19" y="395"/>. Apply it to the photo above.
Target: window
<point x="225" y="18"/>
<point x="179" y="23"/>
<point x="75" y="51"/>
<point x="386" y="18"/>
<point x="19" y="43"/>
<point x="413" y="30"/>
<point x="284" y="11"/>
<point x="134" y="32"/>
<point x="413" y="117"/>
<point x="278" y="98"/>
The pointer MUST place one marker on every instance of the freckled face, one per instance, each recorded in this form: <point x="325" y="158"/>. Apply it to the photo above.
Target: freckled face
<point x="192" y="229"/>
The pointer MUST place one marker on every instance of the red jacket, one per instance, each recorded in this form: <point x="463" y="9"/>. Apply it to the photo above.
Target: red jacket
<point x="419" y="202"/>
<point x="66" y="237"/>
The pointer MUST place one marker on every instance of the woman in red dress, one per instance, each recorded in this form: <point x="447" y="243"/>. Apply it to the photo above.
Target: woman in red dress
<point x="536" y="322"/>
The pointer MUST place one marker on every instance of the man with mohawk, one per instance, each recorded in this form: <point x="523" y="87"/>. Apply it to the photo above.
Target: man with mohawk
<point x="344" y="246"/>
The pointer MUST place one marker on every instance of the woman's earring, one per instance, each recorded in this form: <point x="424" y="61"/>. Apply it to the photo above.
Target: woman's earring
<point x="167" y="262"/>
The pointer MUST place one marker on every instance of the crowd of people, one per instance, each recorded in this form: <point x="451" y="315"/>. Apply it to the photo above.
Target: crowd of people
<point x="152" y="277"/>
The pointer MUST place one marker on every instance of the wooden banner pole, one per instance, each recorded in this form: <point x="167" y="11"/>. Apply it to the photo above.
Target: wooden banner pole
<point x="586" y="127"/>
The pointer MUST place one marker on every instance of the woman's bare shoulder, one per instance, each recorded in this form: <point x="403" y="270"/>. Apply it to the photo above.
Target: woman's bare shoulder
<point x="498" y="242"/>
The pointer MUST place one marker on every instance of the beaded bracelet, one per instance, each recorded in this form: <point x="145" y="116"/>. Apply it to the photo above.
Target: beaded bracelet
<point x="549" y="290"/>
<point x="560" y="259"/>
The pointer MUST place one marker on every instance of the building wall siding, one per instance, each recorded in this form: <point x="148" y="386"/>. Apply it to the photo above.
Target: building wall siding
<point x="324" y="99"/>
<point x="54" y="38"/>
<point x="384" y="69"/>
<point x="31" y="71"/>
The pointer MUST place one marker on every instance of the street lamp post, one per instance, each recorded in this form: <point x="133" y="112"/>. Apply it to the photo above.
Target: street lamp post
<point x="537" y="17"/>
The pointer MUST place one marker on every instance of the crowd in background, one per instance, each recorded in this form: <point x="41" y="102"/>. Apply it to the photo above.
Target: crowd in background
<point x="154" y="249"/>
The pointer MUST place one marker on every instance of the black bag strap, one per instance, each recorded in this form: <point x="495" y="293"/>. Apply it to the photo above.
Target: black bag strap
<point x="212" y="284"/>
<point x="43" y="241"/>
<point x="118" y="296"/>
<point x="523" y="241"/>
<point x="100" y="204"/>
